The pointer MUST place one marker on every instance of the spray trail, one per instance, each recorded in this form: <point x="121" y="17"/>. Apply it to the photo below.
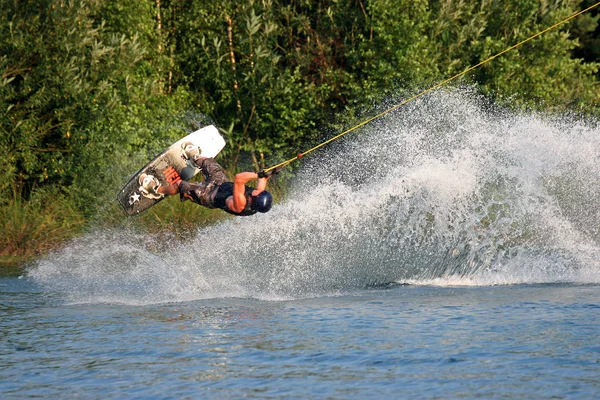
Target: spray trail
<point x="445" y="191"/>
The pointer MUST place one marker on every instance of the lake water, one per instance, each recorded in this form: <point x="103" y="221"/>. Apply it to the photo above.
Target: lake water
<point x="450" y="250"/>
<point x="521" y="341"/>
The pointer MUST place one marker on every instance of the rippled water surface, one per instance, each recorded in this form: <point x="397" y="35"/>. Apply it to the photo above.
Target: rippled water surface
<point x="522" y="341"/>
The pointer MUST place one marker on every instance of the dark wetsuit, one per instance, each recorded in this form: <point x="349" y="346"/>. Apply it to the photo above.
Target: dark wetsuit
<point x="224" y="191"/>
<point x="215" y="189"/>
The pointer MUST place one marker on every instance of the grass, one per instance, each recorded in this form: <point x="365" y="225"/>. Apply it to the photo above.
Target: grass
<point x="32" y="228"/>
<point x="170" y="215"/>
<point x="47" y="221"/>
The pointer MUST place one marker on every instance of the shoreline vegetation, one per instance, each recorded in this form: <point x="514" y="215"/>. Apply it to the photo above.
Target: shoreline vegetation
<point x="27" y="240"/>
<point x="92" y="90"/>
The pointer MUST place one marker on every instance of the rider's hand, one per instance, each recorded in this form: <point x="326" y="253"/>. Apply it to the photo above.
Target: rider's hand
<point x="264" y="174"/>
<point x="267" y="174"/>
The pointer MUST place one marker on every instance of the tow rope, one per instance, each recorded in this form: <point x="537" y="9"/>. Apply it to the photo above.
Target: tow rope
<point x="367" y="121"/>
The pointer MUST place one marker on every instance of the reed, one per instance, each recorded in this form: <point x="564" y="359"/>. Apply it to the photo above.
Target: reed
<point x="34" y="227"/>
<point x="48" y="220"/>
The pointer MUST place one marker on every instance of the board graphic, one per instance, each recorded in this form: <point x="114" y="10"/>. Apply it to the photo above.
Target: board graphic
<point x="170" y="166"/>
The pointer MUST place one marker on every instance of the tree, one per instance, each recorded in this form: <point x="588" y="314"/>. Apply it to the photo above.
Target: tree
<point x="79" y="89"/>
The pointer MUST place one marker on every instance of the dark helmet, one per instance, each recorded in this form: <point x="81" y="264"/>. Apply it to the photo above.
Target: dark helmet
<point x="262" y="202"/>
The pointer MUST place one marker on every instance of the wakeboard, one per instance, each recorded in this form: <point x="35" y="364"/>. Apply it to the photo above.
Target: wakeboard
<point x="170" y="166"/>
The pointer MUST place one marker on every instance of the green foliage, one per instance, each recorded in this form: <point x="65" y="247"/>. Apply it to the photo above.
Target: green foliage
<point x="543" y="70"/>
<point x="171" y="217"/>
<point x="427" y="41"/>
<point x="33" y="227"/>
<point x="62" y="70"/>
<point x="90" y="90"/>
<point x="232" y="59"/>
<point x="119" y="143"/>
<point x="586" y="30"/>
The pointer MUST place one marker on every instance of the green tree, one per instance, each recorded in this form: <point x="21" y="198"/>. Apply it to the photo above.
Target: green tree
<point x="81" y="93"/>
<point x="587" y="30"/>
<point x="58" y="72"/>
<point x="231" y="57"/>
<point x="423" y="43"/>
<point x="543" y="70"/>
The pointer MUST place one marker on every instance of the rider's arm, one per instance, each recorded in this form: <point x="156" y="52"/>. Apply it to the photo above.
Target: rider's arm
<point x="237" y="202"/>
<point x="262" y="184"/>
<point x="169" y="190"/>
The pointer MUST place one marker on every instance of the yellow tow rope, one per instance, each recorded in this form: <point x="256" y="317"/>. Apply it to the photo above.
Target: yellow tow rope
<point x="300" y="155"/>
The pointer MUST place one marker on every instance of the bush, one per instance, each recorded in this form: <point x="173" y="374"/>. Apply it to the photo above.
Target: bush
<point x="32" y="228"/>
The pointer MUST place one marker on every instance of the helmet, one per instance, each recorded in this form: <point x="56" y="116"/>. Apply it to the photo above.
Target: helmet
<point x="262" y="202"/>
